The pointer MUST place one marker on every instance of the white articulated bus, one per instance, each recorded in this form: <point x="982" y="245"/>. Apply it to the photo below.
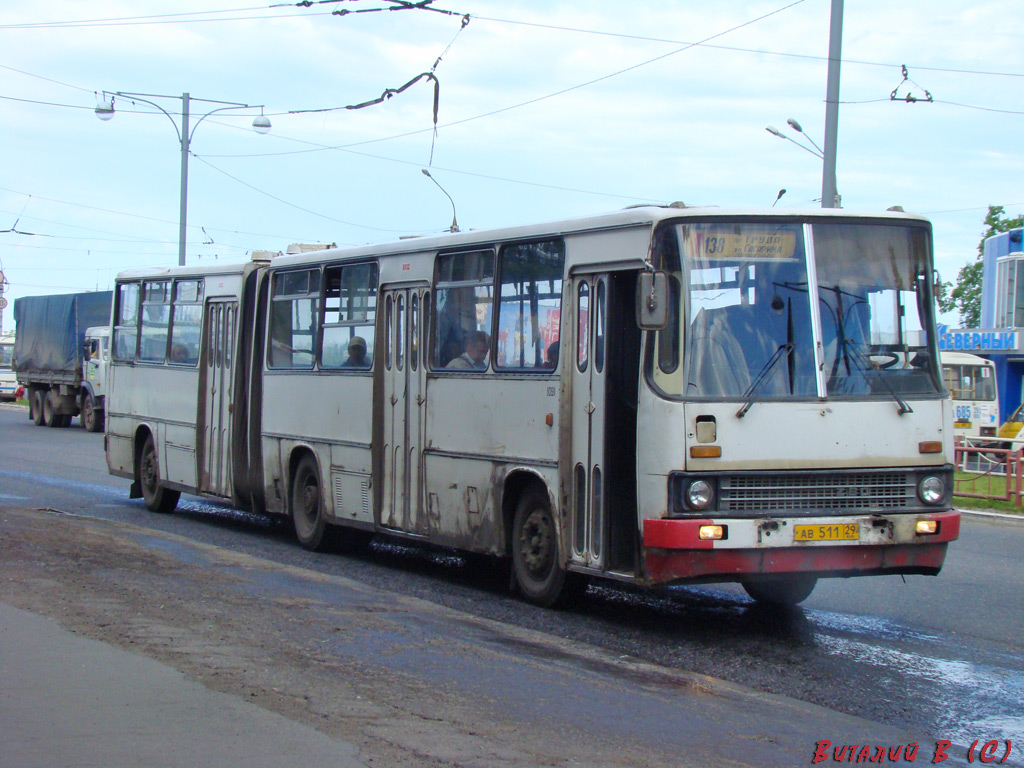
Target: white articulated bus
<point x="971" y="381"/>
<point x="657" y="396"/>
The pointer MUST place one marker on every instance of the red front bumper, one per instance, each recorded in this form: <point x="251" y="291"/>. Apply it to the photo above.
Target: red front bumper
<point x="674" y="552"/>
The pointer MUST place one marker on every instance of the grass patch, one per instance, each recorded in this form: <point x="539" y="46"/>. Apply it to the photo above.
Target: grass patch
<point x="993" y="485"/>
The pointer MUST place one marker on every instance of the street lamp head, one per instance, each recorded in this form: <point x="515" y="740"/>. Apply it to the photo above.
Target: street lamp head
<point x="774" y="131"/>
<point x="104" y="107"/>
<point x="261" y="124"/>
<point x="795" y="125"/>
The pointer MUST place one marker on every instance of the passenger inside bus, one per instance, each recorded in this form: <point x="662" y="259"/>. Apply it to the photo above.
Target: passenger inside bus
<point x="356" y="354"/>
<point x="552" y="356"/>
<point x="475" y="356"/>
<point x="179" y="354"/>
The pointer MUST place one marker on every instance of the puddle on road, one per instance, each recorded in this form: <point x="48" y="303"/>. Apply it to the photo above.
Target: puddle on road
<point x="972" y="700"/>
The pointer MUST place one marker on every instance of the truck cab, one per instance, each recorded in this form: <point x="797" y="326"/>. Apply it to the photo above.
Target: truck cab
<point x="95" y="362"/>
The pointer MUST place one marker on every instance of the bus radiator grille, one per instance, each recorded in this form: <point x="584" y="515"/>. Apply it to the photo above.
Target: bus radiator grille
<point x="853" y="491"/>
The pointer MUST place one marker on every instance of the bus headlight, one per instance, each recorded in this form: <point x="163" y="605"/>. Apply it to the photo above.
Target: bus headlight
<point x="931" y="490"/>
<point x="700" y="494"/>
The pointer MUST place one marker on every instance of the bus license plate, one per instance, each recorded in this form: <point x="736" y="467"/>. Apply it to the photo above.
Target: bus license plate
<point x="840" y="532"/>
<point x="962" y="424"/>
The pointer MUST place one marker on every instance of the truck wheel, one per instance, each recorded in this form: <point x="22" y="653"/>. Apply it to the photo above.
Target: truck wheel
<point x="147" y="470"/>
<point x="35" y="406"/>
<point x="50" y="417"/>
<point x="535" y="555"/>
<point x="92" y="420"/>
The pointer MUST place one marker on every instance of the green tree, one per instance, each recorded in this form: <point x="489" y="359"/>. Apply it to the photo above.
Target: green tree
<point x="965" y="296"/>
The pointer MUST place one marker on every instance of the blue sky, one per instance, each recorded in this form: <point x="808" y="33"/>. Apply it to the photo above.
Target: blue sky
<point x="547" y="110"/>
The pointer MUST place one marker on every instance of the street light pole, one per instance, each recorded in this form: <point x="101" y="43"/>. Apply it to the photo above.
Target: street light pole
<point x="183" y="202"/>
<point x="105" y="110"/>
<point x="829" y="193"/>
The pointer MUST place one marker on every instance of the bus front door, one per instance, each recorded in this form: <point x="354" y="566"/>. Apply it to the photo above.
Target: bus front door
<point x="214" y="418"/>
<point x="404" y="408"/>
<point x="587" y="476"/>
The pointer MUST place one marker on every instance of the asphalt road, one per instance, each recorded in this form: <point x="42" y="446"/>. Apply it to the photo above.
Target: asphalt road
<point x="941" y="656"/>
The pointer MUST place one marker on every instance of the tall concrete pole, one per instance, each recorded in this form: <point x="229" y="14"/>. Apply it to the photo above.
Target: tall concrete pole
<point x="183" y="212"/>
<point x="829" y="193"/>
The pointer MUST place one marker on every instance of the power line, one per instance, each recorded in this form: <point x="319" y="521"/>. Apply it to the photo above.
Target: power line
<point x="759" y="51"/>
<point x="185" y="18"/>
<point x="144" y="218"/>
<point x="167" y="18"/>
<point x="293" y="205"/>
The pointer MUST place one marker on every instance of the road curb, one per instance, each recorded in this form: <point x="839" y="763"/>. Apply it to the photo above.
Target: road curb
<point x="1000" y="515"/>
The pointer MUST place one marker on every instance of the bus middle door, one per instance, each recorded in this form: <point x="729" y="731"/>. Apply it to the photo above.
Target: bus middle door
<point x="405" y="393"/>
<point x="216" y="374"/>
<point x="587" y="496"/>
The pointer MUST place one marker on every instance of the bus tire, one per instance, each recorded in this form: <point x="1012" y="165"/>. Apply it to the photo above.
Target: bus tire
<point x="147" y="472"/>
<point x="536" y="555"/>
<point x="781" y="591"/>
<point x="308" y="519"/>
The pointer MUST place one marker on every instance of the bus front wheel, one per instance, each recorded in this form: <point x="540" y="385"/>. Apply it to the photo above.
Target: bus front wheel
<point x="157" y="497"/>
<point x="535" y="554"/>
<point x="784" y="591"/>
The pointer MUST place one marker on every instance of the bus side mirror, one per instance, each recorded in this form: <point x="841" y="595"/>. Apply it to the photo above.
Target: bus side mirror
<point x="652" y="301"/>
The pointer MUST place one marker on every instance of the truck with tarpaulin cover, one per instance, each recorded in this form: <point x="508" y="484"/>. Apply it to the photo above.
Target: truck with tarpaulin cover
<point x="60" y="353"/>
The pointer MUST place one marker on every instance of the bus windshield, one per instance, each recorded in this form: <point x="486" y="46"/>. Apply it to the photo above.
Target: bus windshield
<point x="745" y="326"/>
<point x="6" y="353"/>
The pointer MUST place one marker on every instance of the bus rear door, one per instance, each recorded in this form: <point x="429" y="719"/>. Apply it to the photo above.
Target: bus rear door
<point x="216" y="377"/>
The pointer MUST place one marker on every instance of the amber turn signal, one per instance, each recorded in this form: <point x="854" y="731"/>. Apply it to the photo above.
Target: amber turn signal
<point x="705" y="451"/>
<point x="712" y="532"/>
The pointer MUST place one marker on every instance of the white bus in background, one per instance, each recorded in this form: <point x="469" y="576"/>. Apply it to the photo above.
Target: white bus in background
<point x="9" y="387"/>
<point x="971" y="381"/>
<point x="654" y="396"/>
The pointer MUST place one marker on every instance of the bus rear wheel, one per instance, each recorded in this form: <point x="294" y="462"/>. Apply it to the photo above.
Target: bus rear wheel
<point x="781" y="591"/>
<point x="147" y="471"/>
<point x="536" y="555"/>
<point x="308" y="519"/>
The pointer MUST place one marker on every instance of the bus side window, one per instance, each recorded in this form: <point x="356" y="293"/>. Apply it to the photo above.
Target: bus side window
<point x="294" y="301"/>
<point x="349" y="317"/>
<point x="463" y="302"/>
<point x="126" y="328"/>
<point x="529" y="306"/>
<point x="186" y="321"/>
<point x="156" y="321"/>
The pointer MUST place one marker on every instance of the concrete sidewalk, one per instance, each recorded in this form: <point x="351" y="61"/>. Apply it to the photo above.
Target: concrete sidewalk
<point x="70" y="702"/>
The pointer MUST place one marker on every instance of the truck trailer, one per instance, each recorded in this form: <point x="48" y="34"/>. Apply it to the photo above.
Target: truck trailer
<point x="60" y="353"/>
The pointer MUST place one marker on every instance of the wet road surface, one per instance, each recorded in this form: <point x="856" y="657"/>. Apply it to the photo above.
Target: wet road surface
<point x="944" y="655"/>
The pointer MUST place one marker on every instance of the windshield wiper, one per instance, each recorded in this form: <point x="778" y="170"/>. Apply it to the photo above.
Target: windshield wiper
<point x="763" y="375"/>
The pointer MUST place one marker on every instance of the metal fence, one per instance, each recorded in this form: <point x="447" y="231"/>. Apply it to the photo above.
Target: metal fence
<point x="997" y="470"/>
